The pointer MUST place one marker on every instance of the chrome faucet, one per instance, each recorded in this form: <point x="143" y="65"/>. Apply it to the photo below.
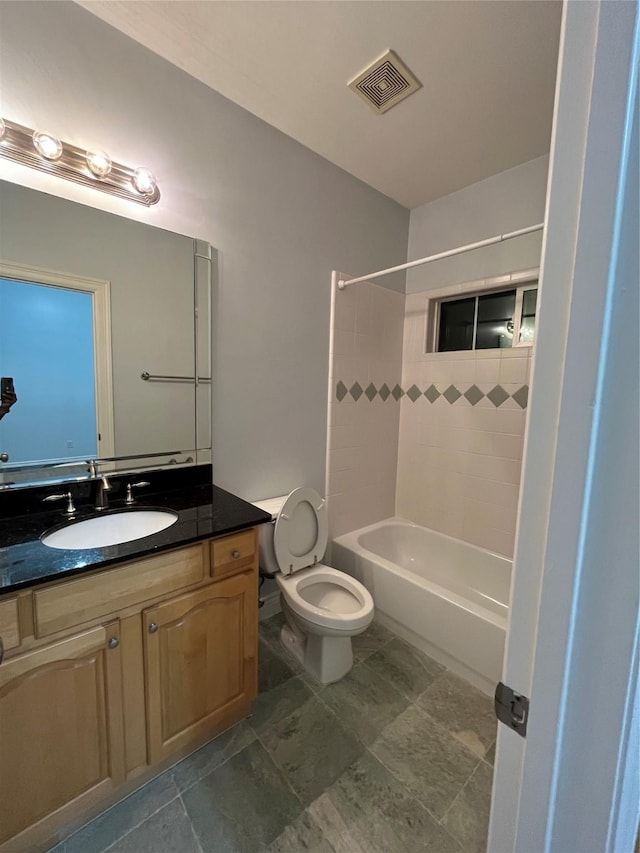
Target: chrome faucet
<point x="102" y="487"/>
<point x="140" y="485"/>
<point x="70" y="511"/>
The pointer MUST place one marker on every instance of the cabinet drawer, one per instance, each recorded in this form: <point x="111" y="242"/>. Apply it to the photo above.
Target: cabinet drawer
<point x="235" y="553"/>
<point x="9" y="626"/>
<point x="74" y="602"/>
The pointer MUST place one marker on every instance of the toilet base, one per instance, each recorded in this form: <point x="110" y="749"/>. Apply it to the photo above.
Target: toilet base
<point x="293" y="641"/>
<point x="327" y="659"/>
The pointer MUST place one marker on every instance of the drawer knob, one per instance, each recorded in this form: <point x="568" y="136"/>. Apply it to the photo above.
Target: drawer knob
<point x="153" y="627"/>
<point x="235" y="554"/>
<point x="114" y="642"/>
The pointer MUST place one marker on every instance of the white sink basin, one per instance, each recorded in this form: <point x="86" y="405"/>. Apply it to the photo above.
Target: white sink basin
<point x="111" y="529"/>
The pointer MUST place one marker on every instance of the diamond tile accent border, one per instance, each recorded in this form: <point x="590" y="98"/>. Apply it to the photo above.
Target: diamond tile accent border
<point x="474" y="395"/>
<point x="451" y="394"/>
<point x="522" y="396"/>
<point x="341" y="391"/>
<point x="497" y="395"/>
<point x="432" y="393"/>
<point x="356" y="391"/>
<point x="370" y="391"/>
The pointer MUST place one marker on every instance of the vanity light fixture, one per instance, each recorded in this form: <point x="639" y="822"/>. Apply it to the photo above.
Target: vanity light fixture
<point x="47" y="146"/>
<point x="92" y="168"/>
<point x="144" y="181"/>
<point x="99" y="163"/>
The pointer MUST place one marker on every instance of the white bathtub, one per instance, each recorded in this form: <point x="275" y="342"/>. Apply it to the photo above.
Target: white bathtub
<point x="446" y="597"/>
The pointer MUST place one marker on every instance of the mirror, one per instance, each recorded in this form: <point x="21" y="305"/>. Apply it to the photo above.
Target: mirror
<point x="105" y="341"/>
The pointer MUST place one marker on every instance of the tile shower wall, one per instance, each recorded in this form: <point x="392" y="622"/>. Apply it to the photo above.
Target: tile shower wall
<point x="462" y="420"/>
<point x="364" y="405"/>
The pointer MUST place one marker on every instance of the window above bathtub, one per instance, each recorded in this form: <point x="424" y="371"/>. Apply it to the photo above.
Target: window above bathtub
<point x="497" y="313"/>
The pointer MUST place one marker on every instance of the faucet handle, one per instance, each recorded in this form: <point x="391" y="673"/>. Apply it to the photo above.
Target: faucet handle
<point x="139" y="485"/>
<point x="70" y="510"/>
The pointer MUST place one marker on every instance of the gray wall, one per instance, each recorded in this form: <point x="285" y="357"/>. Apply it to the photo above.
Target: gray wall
<point x="281" y="216"/>
<point x="505" y="202"/>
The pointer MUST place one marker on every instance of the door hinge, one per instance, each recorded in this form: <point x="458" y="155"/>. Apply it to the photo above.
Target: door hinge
<point x="512" y="708"/>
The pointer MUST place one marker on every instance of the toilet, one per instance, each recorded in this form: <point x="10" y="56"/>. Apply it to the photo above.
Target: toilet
<point x="323" y="607"/>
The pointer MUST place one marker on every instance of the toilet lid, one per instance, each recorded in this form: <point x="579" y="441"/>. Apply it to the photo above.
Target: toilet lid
<point x="301" y="531"/>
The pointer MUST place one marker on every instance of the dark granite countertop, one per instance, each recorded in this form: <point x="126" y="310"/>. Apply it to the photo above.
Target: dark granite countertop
<point x="203" y="511"/>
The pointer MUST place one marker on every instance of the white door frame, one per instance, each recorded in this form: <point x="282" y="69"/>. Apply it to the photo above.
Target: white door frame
<point x="572" y="646"/>
<point x="101" y="296"/>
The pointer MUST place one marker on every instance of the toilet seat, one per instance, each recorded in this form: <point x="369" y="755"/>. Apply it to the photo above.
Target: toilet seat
<point x="328" y="598"/>
<point x="301" y="531"/>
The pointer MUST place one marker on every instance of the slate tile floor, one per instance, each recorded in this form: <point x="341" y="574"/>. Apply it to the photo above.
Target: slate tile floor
<point x="395" y="758"/>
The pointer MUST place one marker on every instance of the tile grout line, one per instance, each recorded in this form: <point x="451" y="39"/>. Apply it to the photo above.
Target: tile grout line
<point x="222" y="763"/>
<point x="464" y="785"/>
<point x="389" y="681"/>
<point x="270" y="758"/>
<point x="193" y="829"/>
<point x="412" y="703"/>
<point x="480" y="760"/>
<point x="280" y="772"/>
<point x="330" y="710"/>
<point x="366" y="748"/>
<point x="484" y="757"/>
<point x="178" y="794"/>
<point x="401" y="783"/>
<point x="455" y="739"/>
<point x="144" y="820"/>
<point x="438" y="821"/>
<point x="374" y="651"/>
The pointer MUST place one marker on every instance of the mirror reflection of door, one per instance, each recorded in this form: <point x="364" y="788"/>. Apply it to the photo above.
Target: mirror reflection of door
<point x="48" y="348"/>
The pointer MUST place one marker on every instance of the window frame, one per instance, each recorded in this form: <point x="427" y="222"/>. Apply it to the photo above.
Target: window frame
<point x="518" y="281"/>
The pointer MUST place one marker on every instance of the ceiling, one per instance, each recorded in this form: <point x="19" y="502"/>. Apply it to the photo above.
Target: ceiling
<point x="487" y="70"/>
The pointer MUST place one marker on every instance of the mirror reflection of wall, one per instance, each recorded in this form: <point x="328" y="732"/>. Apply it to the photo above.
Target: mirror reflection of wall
<point x="152" y="279"/>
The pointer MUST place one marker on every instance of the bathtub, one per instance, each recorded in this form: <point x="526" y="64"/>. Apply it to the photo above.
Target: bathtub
<point x="446" y="597"/>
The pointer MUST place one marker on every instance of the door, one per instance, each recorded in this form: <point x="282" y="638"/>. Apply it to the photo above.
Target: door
<point x="47" y="347"/>
<point x="201" y="662"/>
<point x="61" y="735"/>
<point x="572" y="644"/>
<point x="56" y="346"/>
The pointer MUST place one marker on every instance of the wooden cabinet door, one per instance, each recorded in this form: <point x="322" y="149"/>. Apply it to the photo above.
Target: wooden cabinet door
<point x="61" y="735"/>
<point x="201" y="663"/>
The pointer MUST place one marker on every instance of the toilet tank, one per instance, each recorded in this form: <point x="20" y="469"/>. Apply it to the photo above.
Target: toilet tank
<point x="268" y="563"/>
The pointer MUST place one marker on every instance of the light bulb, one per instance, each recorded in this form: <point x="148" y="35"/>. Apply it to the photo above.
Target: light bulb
<point x="144" y="181"/>
<point x="99" y="163"/>
<point x="3" y="128"/>
<point x="47" y="146"/>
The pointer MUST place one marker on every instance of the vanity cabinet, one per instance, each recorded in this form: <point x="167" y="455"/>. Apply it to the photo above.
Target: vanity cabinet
<point x="200" y="662"/>
<point x="110" y="677"/>
<point x="61" y="732"/>
<point x="9" y="625"/>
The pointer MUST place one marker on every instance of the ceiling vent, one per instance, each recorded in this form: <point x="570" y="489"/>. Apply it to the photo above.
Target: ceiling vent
<point x="385" y="83"/>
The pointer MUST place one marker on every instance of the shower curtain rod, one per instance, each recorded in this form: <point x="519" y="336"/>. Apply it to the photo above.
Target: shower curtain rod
<point x="342" y="283"/>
